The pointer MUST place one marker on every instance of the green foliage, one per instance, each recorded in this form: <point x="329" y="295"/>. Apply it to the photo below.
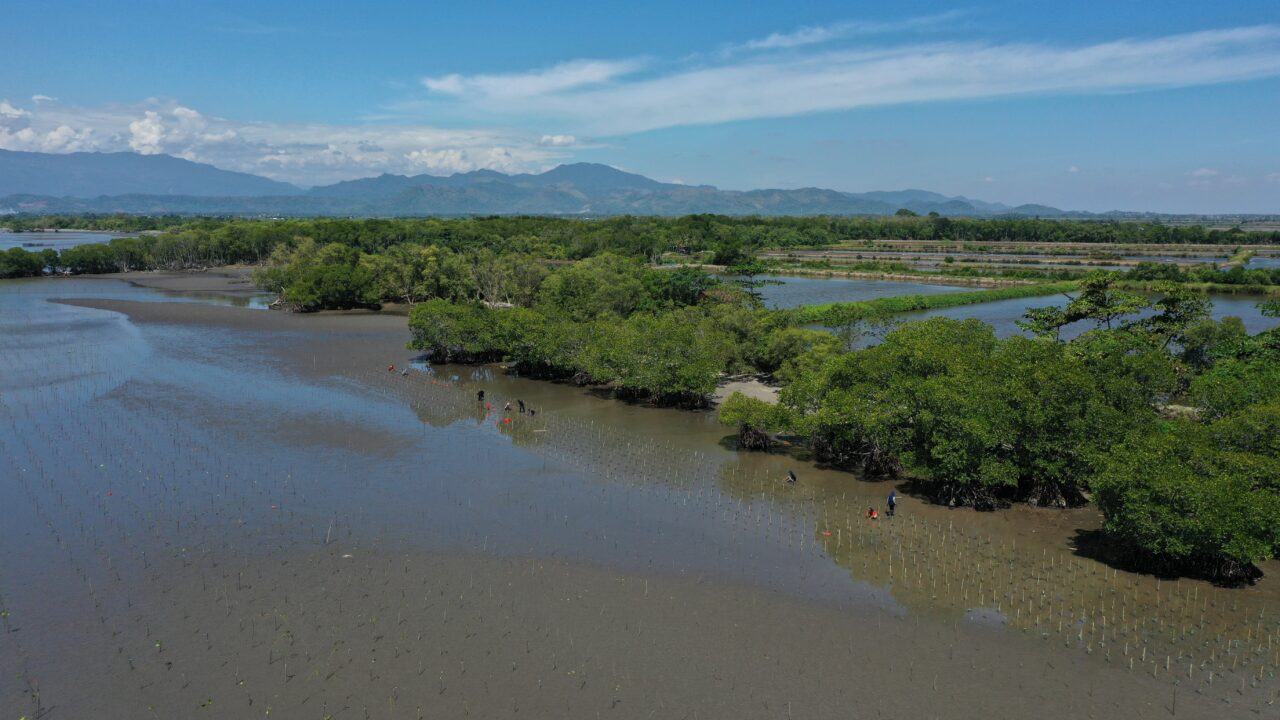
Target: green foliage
<point x="1205" y="273"/>
<point x="783" y="344"/>
<point x="603" y="285"/>
<point x="1100" y="301"/>
<point x="452" y="332"/>
<point x="194" y="242"/>
<point x="673" y="357"/>
<point x="16" y="262"/>
<point x="977" y="420"/>
<point x="412" y="273"/>
<point x="754" y="419"/>
<point x="326" y="277"/>
<point x="1234" y="384"/>
<point x="679" y="287"/>
<point x="1254" y="429"/>
<point x="747" y="268"/>
<point x="676" y="356"/>
<point x="1175" y="500"/>
<point x="1202" y="341"/>
<point x="740" y="410"/>
<point x="88" y="259"/>
<point x="729" y="253"/>
<point x="1043" y="322"/>
<point x="1178" y="310"/>
<point x="1133" y="374"/>
<point x="1204" y="496"/>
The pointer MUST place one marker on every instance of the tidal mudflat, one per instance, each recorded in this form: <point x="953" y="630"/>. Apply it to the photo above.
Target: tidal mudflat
<point x="220" y="512"/>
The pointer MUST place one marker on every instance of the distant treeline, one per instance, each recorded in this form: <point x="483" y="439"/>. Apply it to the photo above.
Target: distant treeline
<point x="103" y="223"/>
<point x="693" y="232"/>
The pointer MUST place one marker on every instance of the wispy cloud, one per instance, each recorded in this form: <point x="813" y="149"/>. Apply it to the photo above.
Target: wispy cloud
<point x="817" y="34"/>
<point x="558" y="140"/>
<point x="1210" y="177"/>
<point x="559" y="78"/>
<point x="301" y="153"/>
<point x="606" y="98"/>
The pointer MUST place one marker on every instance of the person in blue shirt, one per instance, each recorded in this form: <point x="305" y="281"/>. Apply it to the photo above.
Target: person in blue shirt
<point x="893" y="501"/>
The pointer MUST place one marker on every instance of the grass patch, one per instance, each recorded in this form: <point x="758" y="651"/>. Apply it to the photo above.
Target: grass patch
<point x="1205" y="287"/>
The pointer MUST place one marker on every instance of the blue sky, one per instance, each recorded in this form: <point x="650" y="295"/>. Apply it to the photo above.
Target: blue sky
<point x="1169" y="106"/>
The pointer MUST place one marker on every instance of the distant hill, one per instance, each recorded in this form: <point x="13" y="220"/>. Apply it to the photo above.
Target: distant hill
<point x="129" y="183"/>
<point x="89" y="175"/>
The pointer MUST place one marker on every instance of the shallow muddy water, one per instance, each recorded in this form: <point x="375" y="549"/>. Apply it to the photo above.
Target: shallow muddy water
<point x="208" y="511"/>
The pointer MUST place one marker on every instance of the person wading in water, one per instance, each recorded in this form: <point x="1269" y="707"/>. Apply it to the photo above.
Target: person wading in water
<point x="893" y="501"/>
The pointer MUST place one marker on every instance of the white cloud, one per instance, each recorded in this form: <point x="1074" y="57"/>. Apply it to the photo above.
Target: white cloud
<point x="12" y="116"/>
<point x="558" y="140"/>
<point x="795" y="84"/>
<point x="147" y="133"/>
<point x="42" y="98"/>
<point x="817" y="34"/>
<point x="797" y="38"/>
<point x="558" y="78"/>
<point x="301" y="153"/>
<point x="67" y="139"/>
<point x="1073" y="169"/>
<point x="1209" y="177"/>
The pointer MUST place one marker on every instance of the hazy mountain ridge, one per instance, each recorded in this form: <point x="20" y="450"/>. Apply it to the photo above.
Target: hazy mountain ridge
<point x="89" y="175"/>
<point x="131" y="183"/>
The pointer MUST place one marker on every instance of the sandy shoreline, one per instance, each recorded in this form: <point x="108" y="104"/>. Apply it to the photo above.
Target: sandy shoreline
<point x="230" y="280"/>
<point x="752" y="388"/>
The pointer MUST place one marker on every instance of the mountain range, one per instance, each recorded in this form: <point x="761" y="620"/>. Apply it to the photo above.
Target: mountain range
<point x="153" y="184"/>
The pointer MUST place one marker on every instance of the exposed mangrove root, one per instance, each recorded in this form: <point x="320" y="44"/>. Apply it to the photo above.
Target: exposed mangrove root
<point x="753" y="438"/>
